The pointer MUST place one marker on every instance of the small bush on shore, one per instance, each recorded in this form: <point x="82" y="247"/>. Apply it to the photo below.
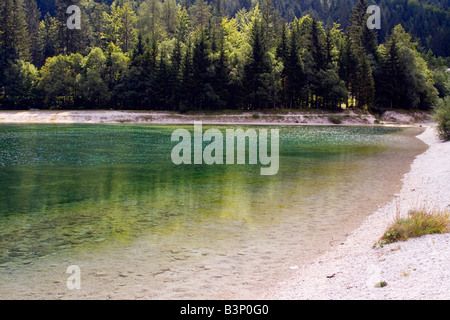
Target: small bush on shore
<point x="418" y="223"/>
<point x="442" y="117"/>
<point x="336" y="119"/>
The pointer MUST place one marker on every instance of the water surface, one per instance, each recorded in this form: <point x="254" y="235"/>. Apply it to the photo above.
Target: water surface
<point x="91" y="190"/>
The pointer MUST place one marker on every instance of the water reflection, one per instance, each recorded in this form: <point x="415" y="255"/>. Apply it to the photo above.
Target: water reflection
<point x="72" y="187"/>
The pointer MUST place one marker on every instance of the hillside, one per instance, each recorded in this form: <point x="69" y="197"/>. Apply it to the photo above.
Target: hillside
<point x="428" y="21"/>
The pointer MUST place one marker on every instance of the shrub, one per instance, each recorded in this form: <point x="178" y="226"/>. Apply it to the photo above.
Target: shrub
<point x="442" y="117"/>
<point x="256" y="116"/>
<point x="419" y="222"/>
<point x="336" y="119"/>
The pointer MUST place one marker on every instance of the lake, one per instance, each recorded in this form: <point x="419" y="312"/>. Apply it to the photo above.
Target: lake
<point x="109" y="199"/>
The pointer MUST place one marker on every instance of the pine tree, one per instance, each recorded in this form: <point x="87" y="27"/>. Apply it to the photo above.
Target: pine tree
<point x="69" y="40"/>
<point x="187" y="82"/>
<point x="200" y="13"/>
<point x="220" y="79"/>
<point x="14" y="36"/>
<point x="148" y="19"/>
<point x="316" y="46"/>
<point x="365" y="84"/>
<point x="358" y="20"/>
<point x="347" y="65"/>
<point x="176" y="73"/>
<point x="120" y="26"/>
<point x="7" y="50"/>
<point x="97" y="23"/>
<point x="200" y="66"/>
<point x="170" y="15"/>
<point x="270" y="23"/>
<point x="257" y="70"/>
<point x="183" y="25"/>
<point x="127" y="19"/>
<point x="390" y="80"/>
<point x="33" y="16"/>
<point x="162" y="86"/>
<point x="48" y="34"/>
<point x="14" y="50"/>
<point x="139" y="80"/>
<point x="282" y="55"/>
<point x="296" y="90"/>
<point x="359" y="57"/>
<point x="315" y="62"/>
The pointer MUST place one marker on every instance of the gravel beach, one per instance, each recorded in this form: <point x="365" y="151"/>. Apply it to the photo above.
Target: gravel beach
<point x="415" y="269"/>
<point x="285" y="117"/>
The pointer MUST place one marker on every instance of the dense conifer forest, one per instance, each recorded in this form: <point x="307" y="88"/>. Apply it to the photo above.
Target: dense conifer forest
<point x="186" y="55"/>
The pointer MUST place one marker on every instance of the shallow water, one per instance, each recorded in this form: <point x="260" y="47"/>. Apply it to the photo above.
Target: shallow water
<point x="110" y="195"/>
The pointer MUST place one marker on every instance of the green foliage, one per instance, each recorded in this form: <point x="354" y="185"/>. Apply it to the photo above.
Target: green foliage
<point x="120" y="26"/>
<point x="200" y="13"/>
<point x="48" y="33"/>
<point x="20" y="85"/>
<point x="442" y="117"/>
<point x="404" y="80"/>
<point x="59" y="80"/>
<point x="336" y="119"/>
<point x="427" y="20"/>
<point x="441" y="82"/>
<point x="14" y="36"/>
<point x="257" y="71"/>
<point x="92" y="83"/>
<point x="32" y="17"/>
<point x="198" y="55"/>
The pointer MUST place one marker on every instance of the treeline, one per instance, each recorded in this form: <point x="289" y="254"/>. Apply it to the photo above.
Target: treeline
<point x="162" y="55"/>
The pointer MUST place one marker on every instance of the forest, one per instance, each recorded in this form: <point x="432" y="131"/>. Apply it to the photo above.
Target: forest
<point x="223" y="54"/>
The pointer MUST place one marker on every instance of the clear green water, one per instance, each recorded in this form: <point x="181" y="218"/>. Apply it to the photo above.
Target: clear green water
<point x="75" y="188"/>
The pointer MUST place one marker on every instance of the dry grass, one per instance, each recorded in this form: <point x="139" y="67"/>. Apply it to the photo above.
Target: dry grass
<point x="419" y="222"/>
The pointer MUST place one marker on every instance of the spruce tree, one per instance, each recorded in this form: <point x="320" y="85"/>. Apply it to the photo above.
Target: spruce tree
<point x="33" y="16"/>
<point x="360" y="55"/>
<point x="14" y="46"/>
<point x="200" y="67"/>
<point x="282" y="54"/>
<point x="390" y="80"/>
<point x="257" y="70"/>
<point x="14" y="36"/>
<point x="296" y="91"/>
<point x="48" y="34"/>
<point x="187" y="82"/>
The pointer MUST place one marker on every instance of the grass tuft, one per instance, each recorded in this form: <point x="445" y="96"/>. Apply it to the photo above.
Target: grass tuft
<point x="419" y="222"/>
<point x="381" y="284"/>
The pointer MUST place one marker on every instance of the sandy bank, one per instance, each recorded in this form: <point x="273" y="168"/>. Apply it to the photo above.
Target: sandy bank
<point x="416" y="269"/>
<point x="164" y="117"/>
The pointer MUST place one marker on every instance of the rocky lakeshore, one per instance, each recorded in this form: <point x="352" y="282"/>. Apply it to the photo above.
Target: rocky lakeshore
<point x="415" y="269"/>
